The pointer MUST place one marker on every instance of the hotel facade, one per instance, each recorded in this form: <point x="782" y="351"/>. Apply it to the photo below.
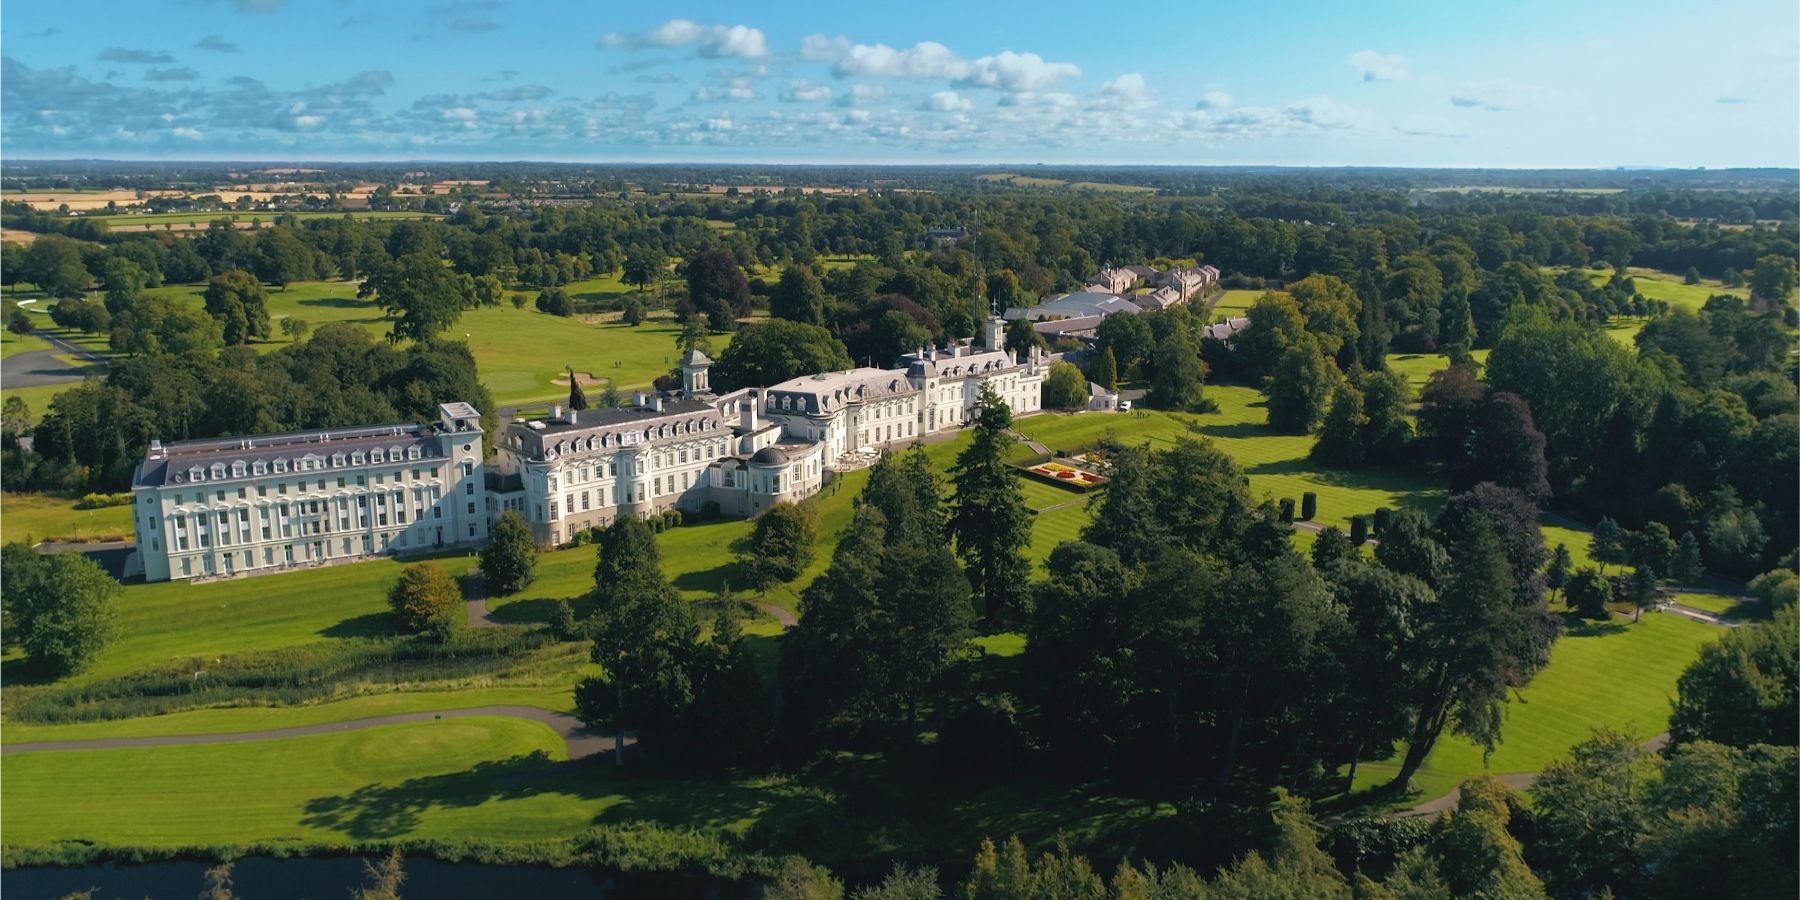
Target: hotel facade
<point x="259" y="504"/>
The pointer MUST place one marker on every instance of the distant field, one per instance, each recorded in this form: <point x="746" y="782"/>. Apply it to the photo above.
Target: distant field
<point x="1657" y="285"/>
<point x="1465" y="189"/>
<point x="1034" y="182"/>
<point x="149" y="221"/>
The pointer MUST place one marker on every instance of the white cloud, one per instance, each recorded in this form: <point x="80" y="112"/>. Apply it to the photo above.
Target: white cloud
<point x="1007" y="71"/>
<point x="1016" y="72"/>
<point x="461" y="114"/>
<point x="736" y="90"/>
<point x="947" y="101"/>
<point x="863" y="95"/>
<point x="1313" y="115"/>
<point x="1213" y="100"/>
<point x="712" y="41"/>
<point x="1126" y="92"/>
<point x="805" y="92"/>
<point x="308" y="121"/>
<point x="1376" y="66"/>
<point x="192" y="134"/>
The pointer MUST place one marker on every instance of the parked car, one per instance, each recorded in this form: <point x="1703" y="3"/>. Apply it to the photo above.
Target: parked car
<point x="1124" y="406"/>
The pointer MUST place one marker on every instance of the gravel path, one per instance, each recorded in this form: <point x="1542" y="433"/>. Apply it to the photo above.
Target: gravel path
<point x="581" y="742"/>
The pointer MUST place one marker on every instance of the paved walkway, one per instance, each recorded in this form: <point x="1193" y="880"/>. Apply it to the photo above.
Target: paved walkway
<point x="581" y="742"/>
<point x="474" y="588"/>
<point x="1514" y="780"/>
<point x="786" y="618"/>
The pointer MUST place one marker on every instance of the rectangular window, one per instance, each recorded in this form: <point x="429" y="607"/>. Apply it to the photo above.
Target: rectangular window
<point x="469" y="488"/>
<point x="340" y="481"/>
<point x="262" y="490"/>
<point x="471" y="508"/>
<point x="359" y="481"/>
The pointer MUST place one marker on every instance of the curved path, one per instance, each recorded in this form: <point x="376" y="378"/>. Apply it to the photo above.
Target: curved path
<point x="1514" y="780"/>
<point x="581" y="742"/>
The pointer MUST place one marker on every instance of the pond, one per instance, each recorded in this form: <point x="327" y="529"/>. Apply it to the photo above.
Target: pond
<point x="264" y="878"/>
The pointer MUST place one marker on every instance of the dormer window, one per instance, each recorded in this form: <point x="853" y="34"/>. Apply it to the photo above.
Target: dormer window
<point x="357" y="458"/>
<point x="195" y="473"/>
<point x="259" y="467"/>
<point x="237" y="470"/>
<point x="337" y="460"/>
<point x="218" y="470"/>
<point x="412" y="453"/>
<point x="377" y="455"/>
<point x="281" y="465"/>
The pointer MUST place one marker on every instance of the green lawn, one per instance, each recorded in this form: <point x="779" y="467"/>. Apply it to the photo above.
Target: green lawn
<point x="1417" y="367"/>
<point x="1601" y="674"/>
<point x="175" y="620"/>
<point x="1276" y="463"/>
<point x="262" y="718"/>
<point x="45" y="517"/>
<point x="520" y="353"/>
<point x="499" y="777"/>
<point x="1656" y="285"/>
<point x="1235" y="303"/>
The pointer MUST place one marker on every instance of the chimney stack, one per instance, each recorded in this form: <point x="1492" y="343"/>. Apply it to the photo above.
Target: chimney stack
<point x="556" y="412"/>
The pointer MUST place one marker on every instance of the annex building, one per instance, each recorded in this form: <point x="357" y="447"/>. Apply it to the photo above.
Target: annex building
<point x="250" y="505"/>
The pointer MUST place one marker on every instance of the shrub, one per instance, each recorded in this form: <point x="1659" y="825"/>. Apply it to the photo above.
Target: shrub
<point x="1383" y="517"/>
<point x="1777" y="590"/>
<point x="101" y="501"/>
<point x="1359" y="530"/>
<point x="1309" y="506"/>
<point x="509" y="561"/>
<point x="426" y="600"/>
<point x="1287" y="510"/>
<point x="1588" y="592"/>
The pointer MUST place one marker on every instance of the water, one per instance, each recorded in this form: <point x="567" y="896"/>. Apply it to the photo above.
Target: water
<point x="263" y="878"/>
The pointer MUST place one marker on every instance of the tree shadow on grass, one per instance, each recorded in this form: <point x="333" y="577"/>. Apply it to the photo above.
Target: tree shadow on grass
<point x="377" y="624"/>
<point x="23" y="671"/>
<point x="339" y="303"/>
<point x="380" y="811"/>
<point x="711" y="580"/>
<point x="540" y="609"/>
<point x="1576" y="626"/>
<point x="1239" y="430"/>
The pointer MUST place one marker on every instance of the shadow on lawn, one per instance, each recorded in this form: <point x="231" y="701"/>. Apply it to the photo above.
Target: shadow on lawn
<point x="374" y="624"/>
<point x="711" y="580"/>
<point x="389" y="810"/>
<point x="340" y="303"/>
<point x="1576" y="626"/>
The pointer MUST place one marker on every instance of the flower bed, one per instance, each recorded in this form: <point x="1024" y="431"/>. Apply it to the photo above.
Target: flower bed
<point x="1067" y="476"/>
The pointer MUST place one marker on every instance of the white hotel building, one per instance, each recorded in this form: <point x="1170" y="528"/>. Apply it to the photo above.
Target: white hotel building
<point x="258" y="504"/>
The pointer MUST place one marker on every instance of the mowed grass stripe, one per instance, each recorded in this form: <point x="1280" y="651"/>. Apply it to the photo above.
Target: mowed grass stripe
<point x="1613" y="674"/>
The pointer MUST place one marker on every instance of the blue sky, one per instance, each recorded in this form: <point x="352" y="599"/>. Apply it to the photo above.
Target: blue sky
<point x="1518" y="84"/>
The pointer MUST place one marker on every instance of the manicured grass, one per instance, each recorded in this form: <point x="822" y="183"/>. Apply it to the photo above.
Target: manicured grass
<point x="519" y="352"/>
<point x="1724" y="606"/>
<point x="174" y="620"/>
<point x="1613" y="674"/>
<point x="1276" y="463"/>
<point x="436" y="779"/>
<point x="42" y="517"/>
<point x="11" y="343"/>
<point x="262" y="718"/>
<point x="1235" y="303"/>
<point x="1417" y="367"/>
<point x="1657" y="285"/>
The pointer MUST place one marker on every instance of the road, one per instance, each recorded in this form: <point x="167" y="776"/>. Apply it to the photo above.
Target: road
<point x="581" y="742"/>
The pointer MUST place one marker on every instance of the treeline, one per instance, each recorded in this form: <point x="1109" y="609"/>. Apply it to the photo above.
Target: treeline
<point x="93" y="435"/>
